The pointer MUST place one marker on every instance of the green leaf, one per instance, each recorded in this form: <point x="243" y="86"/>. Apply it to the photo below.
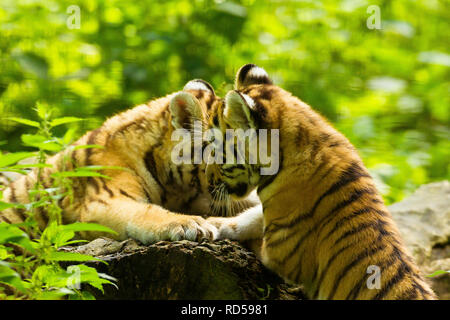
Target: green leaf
<point x="42" y="110"/>
<point x="64" y="120"/>
<point x="24" y="172"/>
<point x="27" y="122"/>
<point x="33" y="165"/>
<point x="7" y="205"/>
<point x="11" y="158"/>
<point x="437" y="273"/>
<point x="10" y="233"/>
<point x="74" y="174"/>
<point x="40" y="142"/>
<point x="70" y="256"/>
<point x="84" y="226"/>
<point x="62" y="237"/>
<point x="10" y="277"/>
<point x="97" y="168"/>
<point x="91" y="276"/>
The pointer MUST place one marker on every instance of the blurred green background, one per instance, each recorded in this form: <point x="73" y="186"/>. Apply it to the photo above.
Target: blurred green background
<point x="387" y="90"/>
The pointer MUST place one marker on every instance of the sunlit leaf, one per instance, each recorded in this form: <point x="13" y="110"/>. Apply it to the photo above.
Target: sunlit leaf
<point x="438" y="273"/>
<point x="84" y="226"/>
<point x="70" y="256"/>
<point x="65" y="120"/>
<point x="27" y="122"/>
<point x="11" y="158"/>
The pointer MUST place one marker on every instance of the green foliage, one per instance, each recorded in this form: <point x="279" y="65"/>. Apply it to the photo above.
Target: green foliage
<point x="438" y="273"/>
<point x="29" y="266"/>
<point x="386" y="89"/>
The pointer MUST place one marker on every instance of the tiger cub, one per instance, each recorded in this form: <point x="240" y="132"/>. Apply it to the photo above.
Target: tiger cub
<point x="145" y="201"/>
<point x="324" y="224"/>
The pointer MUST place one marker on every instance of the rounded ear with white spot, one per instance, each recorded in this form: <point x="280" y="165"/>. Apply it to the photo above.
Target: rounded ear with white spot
<point x="238" y="110"/>
<point x="199" y="84"/>
<point x="251" y="74"/>
<point x="185" y="109"/>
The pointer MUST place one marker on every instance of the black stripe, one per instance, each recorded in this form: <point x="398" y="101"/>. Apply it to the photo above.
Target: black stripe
<point x="400" y="274"/>
<point x="266" y="181"/>
<point x="366" y="253"/>
<point x="320" y="225"/>
<point x="150" y="165"/>
<point x="244" y="70"/>
<point x="43" y="214"/>
<point x="319" y="167"/>
<point x="111" y="194"/>
<point x="265" y="93"/>
<point x="294" y="275"/>
<point x="98" y="200"/>
<point x="330" y="169"/>
<point x="420" y="289"/>
<point x="354" y="293"/>
<point x="334" y="144"/>
<point x="147" y="195"/>
<point x="12" y="197"/>
<point x="126" y="194"/>
<point x="5" y="219"/>
<point x="324" y="136"/>
<point x="315" y="149"/>
<point x="328" y="265"/>
<point x="199" y="94"/>
<point x="206" y="84"/>
<point x="351" y="174"/>
<point x="93" y="182"/>
<point x="410" y="294"/>
<point x="302" y="136"/>
<point x="393" y="257"/>
<point x="354" y="231"/>
<point x="91" y="140"/>
<point x="343" y="220"/>
<point x="73" y="157"/>
<point x="194" y="181"/>
<point x="21" y="213"/>
<point x="27" y="185"/>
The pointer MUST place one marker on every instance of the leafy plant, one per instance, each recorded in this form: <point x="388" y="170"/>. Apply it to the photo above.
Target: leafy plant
<point x="29" y="266"/>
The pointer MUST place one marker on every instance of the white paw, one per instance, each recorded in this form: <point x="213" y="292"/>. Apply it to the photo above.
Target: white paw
<point x="193" y="228"/>
<point x="227" y="228"/>
<point x="184" y="228"/>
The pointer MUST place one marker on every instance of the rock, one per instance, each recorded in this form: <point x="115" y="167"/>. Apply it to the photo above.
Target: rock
<point x="184" y="270"/>
<point x="424" y="222"/>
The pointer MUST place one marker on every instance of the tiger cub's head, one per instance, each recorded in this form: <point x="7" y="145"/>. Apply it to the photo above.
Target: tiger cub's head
<point x="176" y="161"/>
<point x="246" y="122"/>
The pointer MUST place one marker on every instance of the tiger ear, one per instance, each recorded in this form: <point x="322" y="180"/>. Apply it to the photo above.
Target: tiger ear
<point x="251" y="74"/>
<point x="185" y="109"/>
<point x="199" y="84"/>
<point x="238" y="110"/>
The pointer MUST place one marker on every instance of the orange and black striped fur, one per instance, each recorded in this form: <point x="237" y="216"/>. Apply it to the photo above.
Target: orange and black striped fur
<point x="324" y="223"/>
<point x="153" y="199"/>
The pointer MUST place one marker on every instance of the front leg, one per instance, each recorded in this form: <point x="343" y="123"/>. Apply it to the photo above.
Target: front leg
<point x="146" y="222"/>
<point x="246" y="226"/>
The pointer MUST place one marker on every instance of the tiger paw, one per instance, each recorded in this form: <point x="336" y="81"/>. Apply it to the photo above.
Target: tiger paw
<point x="191" y="228"/>
<point x="227" y="228"/>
